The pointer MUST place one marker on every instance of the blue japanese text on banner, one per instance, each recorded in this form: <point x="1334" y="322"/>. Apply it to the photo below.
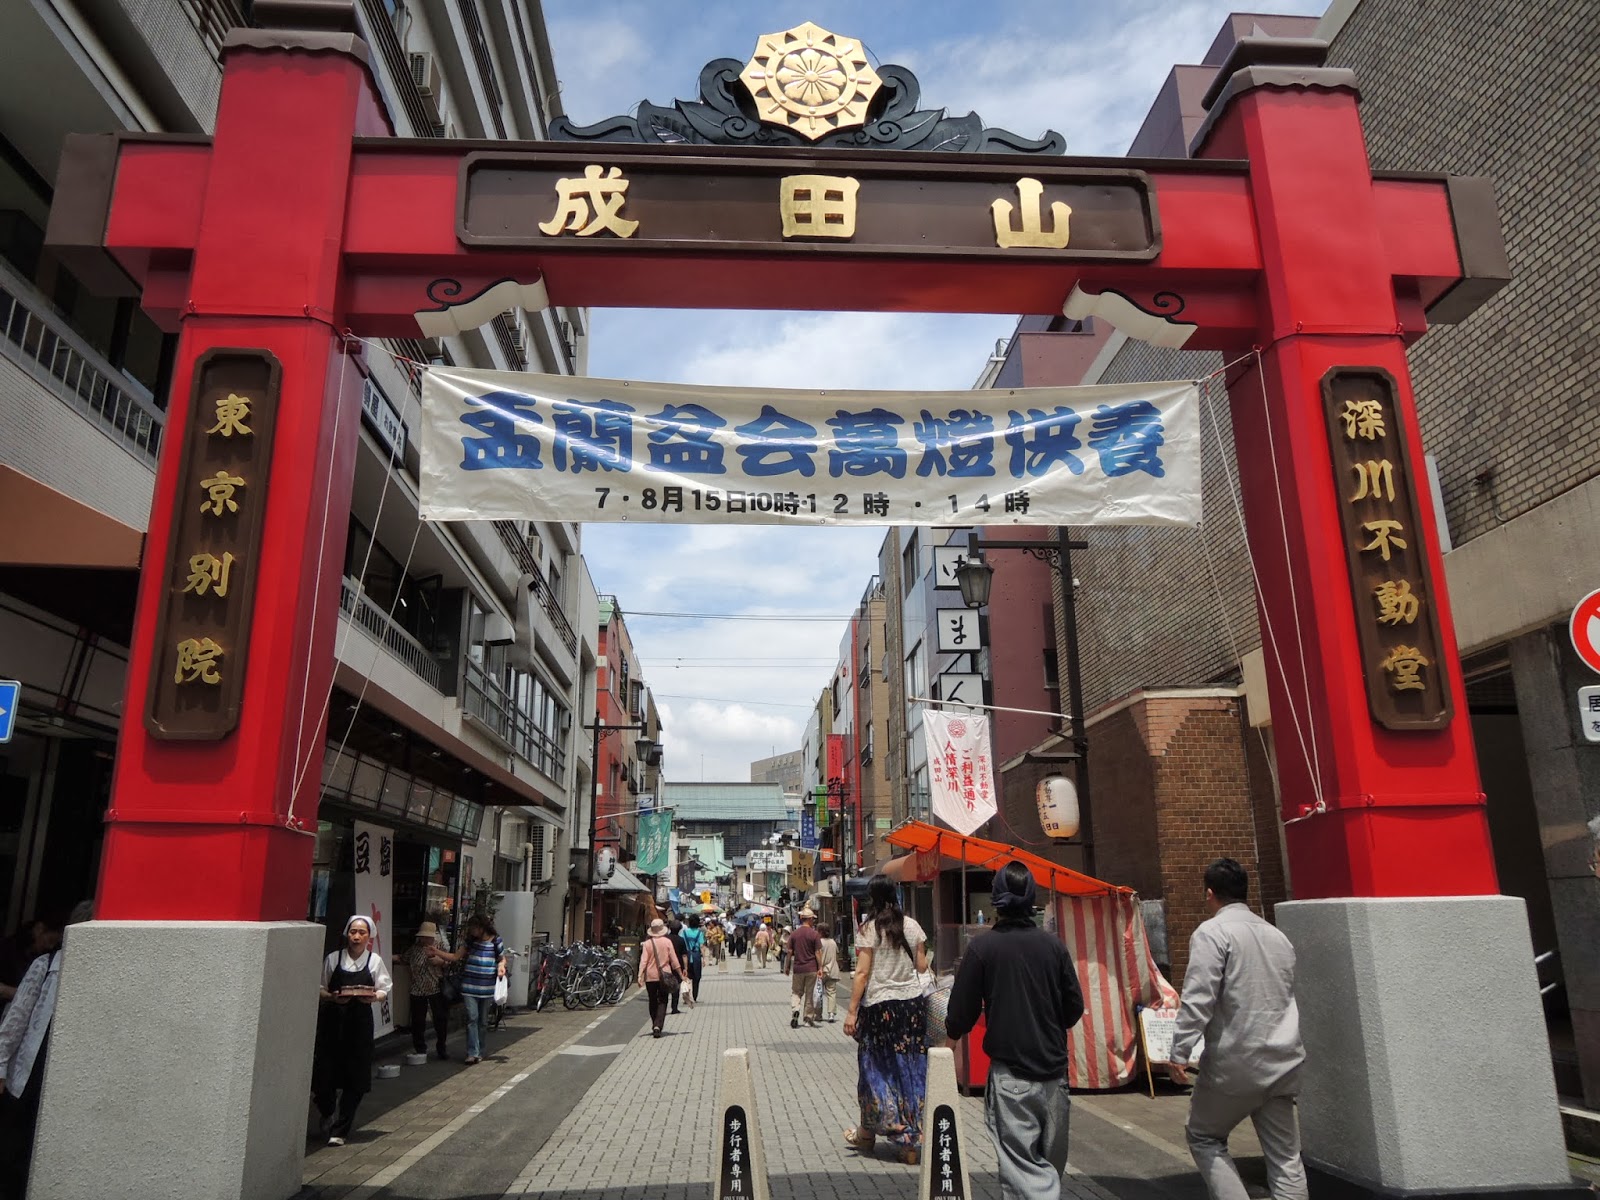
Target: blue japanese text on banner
<point x="518" y="446"/>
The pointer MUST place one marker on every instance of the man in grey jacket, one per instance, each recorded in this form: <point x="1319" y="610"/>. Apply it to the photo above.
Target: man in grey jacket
<point x="1238" y="993"/>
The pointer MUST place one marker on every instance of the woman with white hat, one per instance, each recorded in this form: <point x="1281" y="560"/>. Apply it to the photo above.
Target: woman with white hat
<point x="353" y="980"/>
<point x="427" y="968"/>
<point x="660" y="972"/>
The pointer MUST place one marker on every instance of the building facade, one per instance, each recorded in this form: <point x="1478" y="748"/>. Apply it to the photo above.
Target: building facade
<point x="460" y="662"/>
<point x="1174" y="674"/>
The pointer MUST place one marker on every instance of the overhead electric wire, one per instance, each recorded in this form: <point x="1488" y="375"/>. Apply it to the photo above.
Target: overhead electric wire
<point x="692" y="616"/>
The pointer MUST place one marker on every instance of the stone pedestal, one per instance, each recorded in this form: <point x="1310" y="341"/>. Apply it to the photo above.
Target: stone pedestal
<point x="180" y="1062"/>
<point x="1428" y="1066"/>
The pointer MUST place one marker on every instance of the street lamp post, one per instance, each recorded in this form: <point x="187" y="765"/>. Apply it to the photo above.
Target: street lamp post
<point x="974" y="576"/>
<point x="645" y="746"/>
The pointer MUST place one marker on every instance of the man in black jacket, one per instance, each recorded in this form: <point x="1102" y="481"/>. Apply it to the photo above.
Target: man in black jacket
<point x="1024" y="980"/>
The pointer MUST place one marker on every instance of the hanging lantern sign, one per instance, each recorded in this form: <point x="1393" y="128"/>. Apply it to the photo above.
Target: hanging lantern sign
<point x="1058" y="806"/>
<point x="606" y="862"/>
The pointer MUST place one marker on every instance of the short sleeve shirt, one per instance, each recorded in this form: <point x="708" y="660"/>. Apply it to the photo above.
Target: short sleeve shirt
<point x="894" y="974"/>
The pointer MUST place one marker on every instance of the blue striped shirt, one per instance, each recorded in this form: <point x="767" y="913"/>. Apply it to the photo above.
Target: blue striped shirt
<point x="480" y="967"/>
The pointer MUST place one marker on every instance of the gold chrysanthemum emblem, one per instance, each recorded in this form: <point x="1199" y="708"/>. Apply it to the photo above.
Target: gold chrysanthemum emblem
<point x="810" y="80"/>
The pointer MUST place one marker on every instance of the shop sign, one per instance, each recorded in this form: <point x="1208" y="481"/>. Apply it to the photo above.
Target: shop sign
<point x="203" y="624"/>
<point x="1589" y="712"/>
<point x="1398" y="625"/>
<point x="374" y="871"/>
<point x="835" y="761"/>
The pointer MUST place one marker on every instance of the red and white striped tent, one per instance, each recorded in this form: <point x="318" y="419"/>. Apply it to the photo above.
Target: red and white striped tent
<point x="1099" y="922"/>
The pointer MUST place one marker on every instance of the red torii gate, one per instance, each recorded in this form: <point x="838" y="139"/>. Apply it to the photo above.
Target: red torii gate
<point x="304" y="219"/>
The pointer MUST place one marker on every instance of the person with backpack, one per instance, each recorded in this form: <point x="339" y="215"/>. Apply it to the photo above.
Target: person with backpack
<point x="694" y="943"/>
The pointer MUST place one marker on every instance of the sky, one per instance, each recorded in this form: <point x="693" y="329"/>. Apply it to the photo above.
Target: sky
<point x="734" y="690"/>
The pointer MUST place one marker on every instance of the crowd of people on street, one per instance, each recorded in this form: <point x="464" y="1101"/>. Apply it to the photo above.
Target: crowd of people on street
<point x="1237" y="1002"/>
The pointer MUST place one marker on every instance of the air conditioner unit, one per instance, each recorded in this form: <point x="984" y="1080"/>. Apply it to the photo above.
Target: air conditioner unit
<point x="425" y="73"/>
<point x="542" y="849"/>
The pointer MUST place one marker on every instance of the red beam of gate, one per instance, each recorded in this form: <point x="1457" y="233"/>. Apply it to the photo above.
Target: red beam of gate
<point x="400" y="236"/>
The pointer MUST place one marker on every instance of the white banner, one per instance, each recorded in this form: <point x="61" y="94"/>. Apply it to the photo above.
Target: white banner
<point x="517" y="446"/>
<point x="374" y="898"/>
<point x="960" y="768"/>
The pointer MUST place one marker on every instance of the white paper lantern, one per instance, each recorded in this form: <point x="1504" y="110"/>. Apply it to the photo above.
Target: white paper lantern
<point x="1058" y="806"/>
<point x="606" y="863"/>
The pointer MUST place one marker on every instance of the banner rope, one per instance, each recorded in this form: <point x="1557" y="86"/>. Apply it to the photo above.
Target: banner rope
<point x="1308" y="745"/>
<point x="344" y="634"/>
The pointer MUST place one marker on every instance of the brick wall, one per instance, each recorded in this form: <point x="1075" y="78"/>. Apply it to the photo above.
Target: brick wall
<point x="1164" y="608"/>
<point x="1510" y="92"/>
<point x="1177" y="782"/>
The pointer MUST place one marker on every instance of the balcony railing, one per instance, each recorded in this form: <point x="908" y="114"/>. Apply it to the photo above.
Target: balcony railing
<point x="212" y="20"/>
<point x="487" y="700"/>
<point x="79" y="376"/>
<point x="371" y="617"/>
<point x="517" y="546"/>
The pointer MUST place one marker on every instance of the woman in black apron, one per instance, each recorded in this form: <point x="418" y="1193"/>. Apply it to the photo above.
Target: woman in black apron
<point x="353" y="980"/>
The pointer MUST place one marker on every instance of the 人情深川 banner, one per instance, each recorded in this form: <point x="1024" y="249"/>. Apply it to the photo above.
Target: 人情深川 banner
<point x="517" y="446"/>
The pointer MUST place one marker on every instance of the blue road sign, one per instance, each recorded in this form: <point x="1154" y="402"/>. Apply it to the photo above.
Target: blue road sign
<point x="10" y="700"/>
<point x="808" y="829"/>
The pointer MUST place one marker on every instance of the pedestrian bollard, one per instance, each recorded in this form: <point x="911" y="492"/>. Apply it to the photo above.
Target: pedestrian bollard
<point x="749" y="961"/>
<point x="944" y="1146"/>
<point x="739" y="1164"/>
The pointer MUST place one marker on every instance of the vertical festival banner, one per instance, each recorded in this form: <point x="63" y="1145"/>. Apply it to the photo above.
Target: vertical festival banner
<point x="655" y="831"/>
<point x="960" y="769"/>
<point x="374" y="899"/>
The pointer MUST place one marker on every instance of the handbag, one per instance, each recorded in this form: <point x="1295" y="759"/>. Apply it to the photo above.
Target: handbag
<point x="663" y="976"/>
<point x="928" y="981"/>
<point x="450" y="986"/>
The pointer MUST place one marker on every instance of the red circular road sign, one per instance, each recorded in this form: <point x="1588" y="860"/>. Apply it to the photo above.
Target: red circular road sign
<point x="1585" y="630"/>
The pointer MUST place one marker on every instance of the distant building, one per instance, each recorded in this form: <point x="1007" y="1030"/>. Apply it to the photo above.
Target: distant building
<point x="785" y="769"/>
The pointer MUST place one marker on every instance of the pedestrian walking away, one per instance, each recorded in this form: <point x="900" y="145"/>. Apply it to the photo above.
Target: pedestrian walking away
<point x="763" y="945"/>
<point x="483" y="960"/>
<point x="427" y="965"/>
<point x="694" y="942"/>
<point x="681" y="948"/>
<point x="828" y="974"/>
<point x="1238" y="993"/>
<point x="353" y="980"/>
<point x="805" y="948"/>
<point x="785" y="960"/>
<point x="888" y="1017"/>
<point x="716" y="940"/>
<point x="659" y="971"/>
<point x="1023" y="980"/>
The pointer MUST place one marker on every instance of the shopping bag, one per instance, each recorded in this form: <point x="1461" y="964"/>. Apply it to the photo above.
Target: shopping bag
<point x="817" y="994"/>
<point x="686" y="990"/>
<point x="502" y="990"/>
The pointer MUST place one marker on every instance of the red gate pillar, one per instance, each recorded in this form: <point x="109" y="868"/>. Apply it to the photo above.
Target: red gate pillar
<point x="200" y="949"/>
<point x="1388" y="844"/>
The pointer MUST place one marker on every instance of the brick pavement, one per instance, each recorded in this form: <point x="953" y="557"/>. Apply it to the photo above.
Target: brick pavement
<point x="630" y="1138"/>
<point x="400" y="1120"/>
<point x="644" y="1129"/>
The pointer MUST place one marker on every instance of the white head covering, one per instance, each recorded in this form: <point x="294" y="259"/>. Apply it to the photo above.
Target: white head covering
<point x="358" y="917"/>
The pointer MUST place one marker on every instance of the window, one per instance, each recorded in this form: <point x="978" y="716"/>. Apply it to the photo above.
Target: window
<point x="1051" y="679"/>
<point x="916" y="674"/>
<point x="908" y="565"/>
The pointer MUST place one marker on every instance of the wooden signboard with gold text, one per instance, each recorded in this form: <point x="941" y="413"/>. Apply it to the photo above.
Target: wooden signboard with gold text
<point x="1389" y="577"/>
<point x="203" y="629"/>
<point x="985" y="207"/>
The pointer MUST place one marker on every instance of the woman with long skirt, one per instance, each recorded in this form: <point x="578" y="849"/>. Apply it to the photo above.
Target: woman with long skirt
<point x="888" y="1017"/>
<point x="353" y="980"/>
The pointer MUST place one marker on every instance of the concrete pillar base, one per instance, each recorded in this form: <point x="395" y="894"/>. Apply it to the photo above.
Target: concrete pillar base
<point x="1326" y="1184"/>
<point x="1428" y="1066"/>
<point x="180" y="1062"/>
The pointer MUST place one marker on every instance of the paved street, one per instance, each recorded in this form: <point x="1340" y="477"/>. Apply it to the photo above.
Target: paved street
<point x="584" y="1105"/>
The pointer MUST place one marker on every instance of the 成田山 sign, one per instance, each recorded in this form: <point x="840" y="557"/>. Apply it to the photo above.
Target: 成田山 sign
<point x="848" y="205"/>
<point x="556" y="448"/>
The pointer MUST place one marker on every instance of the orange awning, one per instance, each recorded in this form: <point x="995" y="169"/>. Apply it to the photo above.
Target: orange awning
<point x="926" y="840"/>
